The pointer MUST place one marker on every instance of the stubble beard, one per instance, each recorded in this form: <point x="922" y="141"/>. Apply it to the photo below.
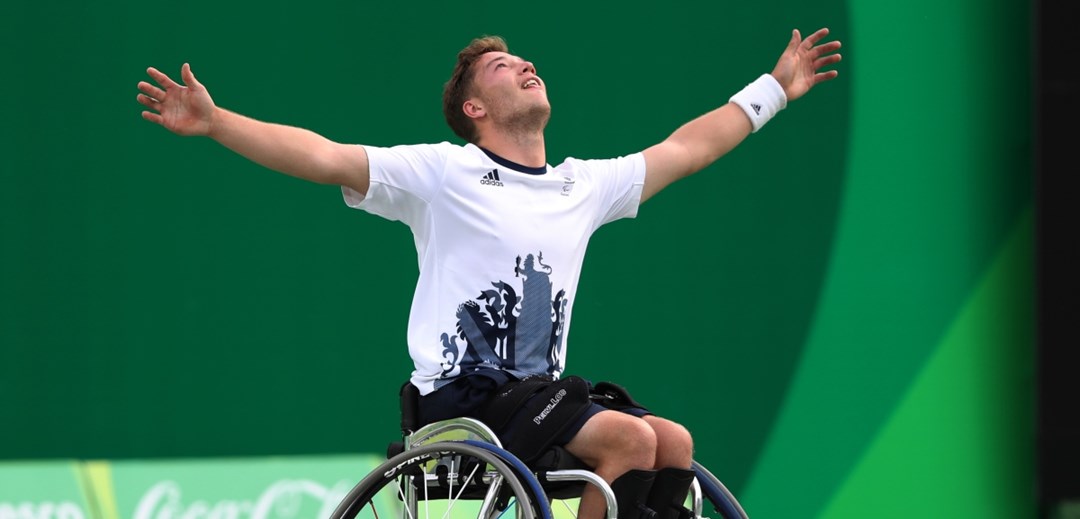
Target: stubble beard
<point x="528" y="122"/>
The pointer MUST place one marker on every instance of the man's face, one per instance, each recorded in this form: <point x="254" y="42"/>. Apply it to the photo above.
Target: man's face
<point x="509" y="89"/>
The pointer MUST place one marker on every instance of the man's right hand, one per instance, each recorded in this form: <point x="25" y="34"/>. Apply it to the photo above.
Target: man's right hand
<point x="182" y="109"/>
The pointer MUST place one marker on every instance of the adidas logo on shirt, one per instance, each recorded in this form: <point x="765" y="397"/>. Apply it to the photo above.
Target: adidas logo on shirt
<point x="491" y="179"/>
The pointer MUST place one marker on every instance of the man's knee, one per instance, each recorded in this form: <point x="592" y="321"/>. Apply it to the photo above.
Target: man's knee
<point x="635" y="435"/>
<point x="675" y="445"/>
<point x="611" y="438"/>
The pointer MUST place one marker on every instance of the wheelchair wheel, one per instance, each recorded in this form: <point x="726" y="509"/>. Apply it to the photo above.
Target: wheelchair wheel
<point x="722" y="500"/>
<point x="447" y="479"/>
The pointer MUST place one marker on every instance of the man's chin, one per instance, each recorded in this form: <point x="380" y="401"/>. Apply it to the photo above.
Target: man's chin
<point x="535" y="117"/>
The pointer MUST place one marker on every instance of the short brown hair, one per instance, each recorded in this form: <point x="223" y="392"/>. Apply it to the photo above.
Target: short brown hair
<point x="459" y="87"/>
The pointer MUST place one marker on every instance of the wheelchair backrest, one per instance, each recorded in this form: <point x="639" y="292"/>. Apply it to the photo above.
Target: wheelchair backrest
<point x="409" y="396"/>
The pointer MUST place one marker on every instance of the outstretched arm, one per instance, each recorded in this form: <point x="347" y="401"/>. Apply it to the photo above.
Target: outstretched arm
<point x="701" y="141"/>
<point x="188" y="109"/>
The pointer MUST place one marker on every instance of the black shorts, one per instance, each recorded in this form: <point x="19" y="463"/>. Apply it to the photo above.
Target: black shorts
<point x="593" y="409"/>
<point x="467" y="396"/>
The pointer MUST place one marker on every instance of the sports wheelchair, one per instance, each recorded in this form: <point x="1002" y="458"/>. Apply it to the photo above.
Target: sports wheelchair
<point x="457" y="468"/>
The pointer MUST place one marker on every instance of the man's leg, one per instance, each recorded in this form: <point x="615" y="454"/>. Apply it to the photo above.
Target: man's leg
<point x="674" y="457"/>
<point x="613" y="443"/>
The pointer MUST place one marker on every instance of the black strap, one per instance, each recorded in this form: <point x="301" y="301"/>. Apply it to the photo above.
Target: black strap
<point x="630" y="491"/>
<point x="668" y="492"/>
<point x="613" y="396"/>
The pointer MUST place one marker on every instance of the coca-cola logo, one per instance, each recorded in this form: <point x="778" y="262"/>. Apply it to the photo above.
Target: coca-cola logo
<point x="41" y="510"/>
<point x="290" y="498"/>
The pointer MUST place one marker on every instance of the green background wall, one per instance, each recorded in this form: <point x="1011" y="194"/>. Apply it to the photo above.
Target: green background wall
<point x="840" y="310"/>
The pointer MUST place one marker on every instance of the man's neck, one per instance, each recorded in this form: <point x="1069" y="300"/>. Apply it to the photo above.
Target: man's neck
<point x="527" y="150"/>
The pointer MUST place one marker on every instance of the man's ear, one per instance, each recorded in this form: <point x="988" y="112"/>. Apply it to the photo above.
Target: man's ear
<point x="473" y="109"/>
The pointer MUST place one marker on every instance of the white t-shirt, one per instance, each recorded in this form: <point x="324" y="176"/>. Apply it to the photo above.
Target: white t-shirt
<point x="500" y="248"/>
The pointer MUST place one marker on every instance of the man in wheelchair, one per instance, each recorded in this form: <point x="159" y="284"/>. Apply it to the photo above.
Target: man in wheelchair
<point x="493" y="207"/>
<point x="501" y="237"/>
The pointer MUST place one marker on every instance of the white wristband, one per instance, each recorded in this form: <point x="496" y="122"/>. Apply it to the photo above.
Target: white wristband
<point x="761" y="100"/>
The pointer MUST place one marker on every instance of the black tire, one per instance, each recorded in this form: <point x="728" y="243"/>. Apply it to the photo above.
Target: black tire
<point x="382" y="486"/>
<point x="722" y="500"/>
